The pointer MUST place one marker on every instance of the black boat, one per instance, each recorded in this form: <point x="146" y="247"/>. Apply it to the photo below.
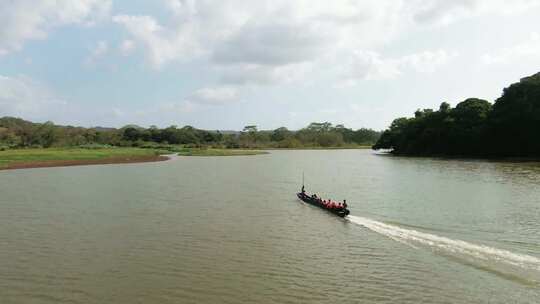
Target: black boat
<point x="316" y="201"/>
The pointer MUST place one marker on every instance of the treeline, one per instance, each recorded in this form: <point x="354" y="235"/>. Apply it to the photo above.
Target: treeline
<point x="508" y="128"/>
<point x="18" y="133"/>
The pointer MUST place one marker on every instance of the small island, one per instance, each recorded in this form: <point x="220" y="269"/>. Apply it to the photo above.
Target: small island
<point x="61" y="157"/>
<point x="509" y="128"/>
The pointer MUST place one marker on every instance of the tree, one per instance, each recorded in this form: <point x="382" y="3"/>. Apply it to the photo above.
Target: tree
<point x="474" y="127"/>
<point x="249" y="140"/>
<point x="472" y="112"/>
<point x="289" y="142"/>
<point x="8" y="138"/>
<point x="131" y="134"/>
<point x="364" y="136"/>
<point x="330" y="139"/>
<point x="445" y="107"/>
<point x="394" y="136"/>
<point x="250" y="129"/>
<point x="468" y="130"/>
<point x="280" y="134"/>
<point x="319" y="127"/>
<point x="515" y="119"/>
<point x="43" y="135"/>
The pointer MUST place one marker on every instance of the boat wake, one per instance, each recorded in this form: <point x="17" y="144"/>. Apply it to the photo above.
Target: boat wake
<point x="449" y="246"/>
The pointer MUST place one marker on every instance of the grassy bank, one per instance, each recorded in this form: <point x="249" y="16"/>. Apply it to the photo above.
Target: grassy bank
<point x="31" y="158"/>
<point x="217" y="152"/>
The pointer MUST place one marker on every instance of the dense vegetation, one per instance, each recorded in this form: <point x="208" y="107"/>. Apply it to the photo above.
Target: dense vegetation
<point x="508" y="128"/>
<point x="18" y="133"/>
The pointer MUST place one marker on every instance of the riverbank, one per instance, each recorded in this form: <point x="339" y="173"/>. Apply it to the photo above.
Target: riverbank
<point x="62" y="157"/>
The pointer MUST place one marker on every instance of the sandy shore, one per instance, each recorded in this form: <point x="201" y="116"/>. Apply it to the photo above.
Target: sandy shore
<point x="85" y="162"/>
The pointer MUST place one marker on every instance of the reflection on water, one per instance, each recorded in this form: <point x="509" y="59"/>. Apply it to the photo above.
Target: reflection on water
<point x="230" y="230"/>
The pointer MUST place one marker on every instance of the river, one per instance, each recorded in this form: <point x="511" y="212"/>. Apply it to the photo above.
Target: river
<point x="230" y="230"/>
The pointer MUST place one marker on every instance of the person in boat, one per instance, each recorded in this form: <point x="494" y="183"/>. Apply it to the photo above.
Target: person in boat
<point x="344" y="204"/>
<point x="303" y="190"/>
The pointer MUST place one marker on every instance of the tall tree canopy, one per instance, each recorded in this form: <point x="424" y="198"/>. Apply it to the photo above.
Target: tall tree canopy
<point x="515" y="119"/>
<point x="510" y="127"/>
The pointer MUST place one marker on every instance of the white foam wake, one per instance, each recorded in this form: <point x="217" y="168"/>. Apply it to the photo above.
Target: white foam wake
<point x="442" y="243"/>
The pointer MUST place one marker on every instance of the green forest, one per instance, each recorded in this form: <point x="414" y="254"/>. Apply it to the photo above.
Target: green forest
<point x="508" y="128"/>
<point x="19" y="133"/>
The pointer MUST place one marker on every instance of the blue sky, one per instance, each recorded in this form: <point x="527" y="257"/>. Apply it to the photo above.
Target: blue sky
<point x="226" y="64"/>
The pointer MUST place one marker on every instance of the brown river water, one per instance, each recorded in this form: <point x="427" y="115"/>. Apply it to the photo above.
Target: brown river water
<point x="231" y="230"/>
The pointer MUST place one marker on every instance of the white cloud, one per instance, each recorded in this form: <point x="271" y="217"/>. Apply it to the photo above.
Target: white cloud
<point x="426" y="61"/>
<point x="161" y="113"/>
<point x="369" y="65"/>
<point x="272" y="44"/>
<point x="278" y="32"/>
<point x="100" y="49"/>
<point x="443" y="11"/>
<point x="248" y="32"/>
<point x="184" y="107"/>
<point x="162" y="44"/>
<point x="24" y="20"/>
<point x="163" y="109"/>
<point x="255" y="74"/>
<point x="23" y="97"/>
<point x="181" y="7"/>
<point x="528" y="49"/>
<point x="220" y="95"/>
<point x="446" y="12"/>
<point x="265" y="42"/>
<point x="126" y="47"/>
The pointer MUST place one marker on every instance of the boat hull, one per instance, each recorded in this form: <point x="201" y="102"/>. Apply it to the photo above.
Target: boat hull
<point x="343" y="212"/>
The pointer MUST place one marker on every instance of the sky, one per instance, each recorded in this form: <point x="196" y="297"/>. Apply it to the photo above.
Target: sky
<point x="230" y="63"/>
